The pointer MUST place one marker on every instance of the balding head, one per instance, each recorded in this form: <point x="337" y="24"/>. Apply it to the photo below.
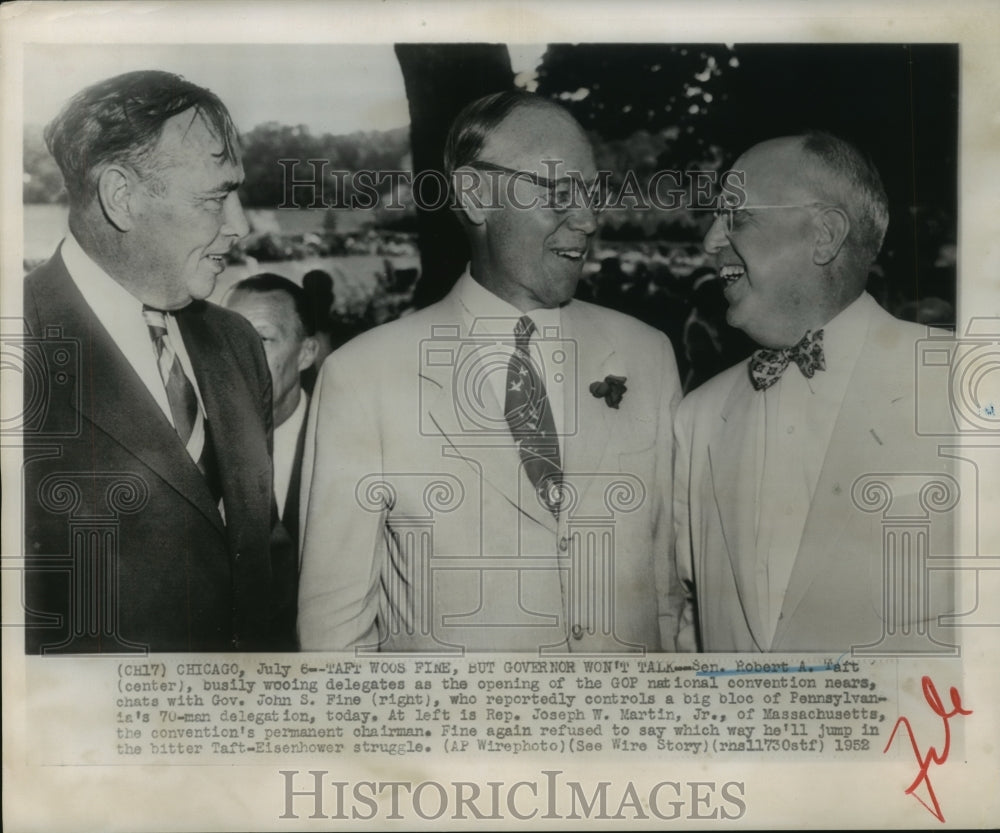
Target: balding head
<point x="799" y="249"/>
<point x="852" y="181"/>
<point x="819" y="167"/>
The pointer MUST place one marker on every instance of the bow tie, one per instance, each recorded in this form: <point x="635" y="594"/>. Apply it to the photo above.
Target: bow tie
<point x="766" y="366"/>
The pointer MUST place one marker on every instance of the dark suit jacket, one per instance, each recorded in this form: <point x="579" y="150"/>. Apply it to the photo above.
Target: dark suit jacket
<point x="285" y="547"/>
<point x="290" y="512"/>
<point x="125" y="546"/>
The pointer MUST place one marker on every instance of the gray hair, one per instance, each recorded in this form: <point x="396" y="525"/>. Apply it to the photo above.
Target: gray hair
<point x="861" y="186"/>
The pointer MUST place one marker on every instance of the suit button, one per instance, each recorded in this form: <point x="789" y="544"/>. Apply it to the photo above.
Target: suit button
<point x="238" y="556"/>
<point x="563" y="544"/>
<point x="577" y="632"/>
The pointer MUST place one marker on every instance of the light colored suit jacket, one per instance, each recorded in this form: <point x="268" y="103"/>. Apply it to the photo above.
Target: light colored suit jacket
<point x="838" y="594"/>
<point x="422" y="532"/>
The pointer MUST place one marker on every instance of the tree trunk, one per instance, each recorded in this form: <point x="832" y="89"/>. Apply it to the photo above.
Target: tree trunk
<point x="440" y="80"/>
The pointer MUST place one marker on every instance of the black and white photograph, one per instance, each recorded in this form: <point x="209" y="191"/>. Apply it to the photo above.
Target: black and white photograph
<point x="505" y="419"/>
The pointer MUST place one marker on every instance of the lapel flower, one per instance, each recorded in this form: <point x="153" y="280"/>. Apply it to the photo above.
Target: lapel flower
<point x="612" y="389"/>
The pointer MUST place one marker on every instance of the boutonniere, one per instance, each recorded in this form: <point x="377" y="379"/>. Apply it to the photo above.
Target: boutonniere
<point x="612" y="389"/>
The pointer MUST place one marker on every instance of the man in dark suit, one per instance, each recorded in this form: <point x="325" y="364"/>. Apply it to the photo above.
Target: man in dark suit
<point x="281" y="313"/>
<point x="148" y="502"/>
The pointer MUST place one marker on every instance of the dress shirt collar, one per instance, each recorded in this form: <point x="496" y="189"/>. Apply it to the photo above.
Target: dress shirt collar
<point x="488" y="314"/>
<point x="294" y="422"/>
<point x="286" y="441"/>
<point x="104" y="295"/>
<point x="843" y="337"/>
<point x="120" y="313"/>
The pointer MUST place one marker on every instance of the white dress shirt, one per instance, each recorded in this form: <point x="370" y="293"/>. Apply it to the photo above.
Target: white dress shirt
<point x="793" y="422"/>
<point x="286" y="439"/>
<point x="120" y="313"/>
<point x="488" y="315"/>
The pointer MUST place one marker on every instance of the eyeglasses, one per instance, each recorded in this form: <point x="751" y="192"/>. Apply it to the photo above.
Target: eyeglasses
<point x="563" y="194"/>
<point x="732" y="215"/>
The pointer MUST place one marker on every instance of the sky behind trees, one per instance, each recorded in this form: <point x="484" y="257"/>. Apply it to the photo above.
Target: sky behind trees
<point x="334" y="89"/>
<point x="649" y="105"/>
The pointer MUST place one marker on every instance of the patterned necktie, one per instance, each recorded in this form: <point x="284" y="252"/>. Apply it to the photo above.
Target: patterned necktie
<point x="189" y="422"/>
<point x="766" y="366"/>
<point x="529" y="416"/>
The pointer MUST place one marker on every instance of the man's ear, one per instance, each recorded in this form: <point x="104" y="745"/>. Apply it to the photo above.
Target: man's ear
<point x="307" y="352"/>
<point x="115" y="190"/>
<point x="833" y="226"/>
<point x="467" y="187"/>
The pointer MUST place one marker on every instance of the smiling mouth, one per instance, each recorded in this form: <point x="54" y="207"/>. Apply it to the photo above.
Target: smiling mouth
<point x="731" y="274"/>
<point x="575" y="255"/>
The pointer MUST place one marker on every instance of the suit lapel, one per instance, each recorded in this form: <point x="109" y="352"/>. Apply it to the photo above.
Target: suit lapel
<point x="857" y="445"/>
<point x="228" y="404"/>
<point x="482" y="421"/>
<point x="290" y="511"/>
<point x="114" y="398"/>
<point x="732" y="459"/>
<point x="584" y="448"/>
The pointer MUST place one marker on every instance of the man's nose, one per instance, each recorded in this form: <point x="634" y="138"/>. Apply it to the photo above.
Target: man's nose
<point x="582" y="218"/>
<point x="235" y="221"/>
<point x="716" y="239"/>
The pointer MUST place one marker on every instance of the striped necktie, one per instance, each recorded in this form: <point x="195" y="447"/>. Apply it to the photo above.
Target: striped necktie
<point x="189" y="421"/>
<point x="529" y="417"/>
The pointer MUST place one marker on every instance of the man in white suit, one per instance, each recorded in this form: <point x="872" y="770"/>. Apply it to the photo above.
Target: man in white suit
<point x="493" y="472"/>
<point x="781" y="466"/>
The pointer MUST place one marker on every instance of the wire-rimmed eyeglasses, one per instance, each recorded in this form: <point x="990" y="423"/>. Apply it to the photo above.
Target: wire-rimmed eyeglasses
<point x="563" y="194"/>
<point x="732" y="214"/>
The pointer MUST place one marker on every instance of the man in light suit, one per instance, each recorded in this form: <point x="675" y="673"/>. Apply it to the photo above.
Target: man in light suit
<point x="148" y="501"/>
<point x="492" y="472"/>
<point x="779" y="464"/>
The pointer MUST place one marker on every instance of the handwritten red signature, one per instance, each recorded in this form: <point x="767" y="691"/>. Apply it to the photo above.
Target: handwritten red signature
<point x="933" y="756"/>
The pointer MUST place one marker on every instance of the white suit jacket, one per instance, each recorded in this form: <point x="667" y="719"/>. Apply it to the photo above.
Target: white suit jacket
<point x="421" y="530"/>
<point x="838" y="592"/>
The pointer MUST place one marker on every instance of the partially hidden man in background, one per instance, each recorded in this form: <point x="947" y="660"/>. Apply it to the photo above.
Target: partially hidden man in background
<point x="782" y="551"/>
<point x="464" y="487"/>
<point x="148" y="499"/>
<point x="281" y="313"/>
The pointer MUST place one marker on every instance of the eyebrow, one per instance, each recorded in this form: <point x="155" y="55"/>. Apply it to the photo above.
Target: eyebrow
<point x="226" y="187"/>
<point x="537" y="179"/>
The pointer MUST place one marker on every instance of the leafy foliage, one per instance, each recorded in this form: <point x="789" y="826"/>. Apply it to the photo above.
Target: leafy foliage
<point x="263" y="146"/>
<point x="621" y="92"/>
<point x="687" y="107"/>
<point x="42" y="178"/>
